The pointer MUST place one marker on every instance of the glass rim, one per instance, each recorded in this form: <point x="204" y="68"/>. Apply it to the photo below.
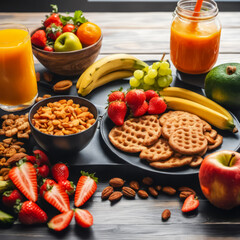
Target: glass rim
<point x="5" y="26"/>
<point x="183" y="10"/>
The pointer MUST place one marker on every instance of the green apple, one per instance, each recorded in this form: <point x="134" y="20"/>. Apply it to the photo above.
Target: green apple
<point x="67" y="42"/>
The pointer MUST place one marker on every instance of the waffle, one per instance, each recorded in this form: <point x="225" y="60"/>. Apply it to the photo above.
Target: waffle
<point x="218" y="142"/>
<point x="157" y="152"/>
<point x="173" y="162"/>
<point x="188" y="141"/>
<point x="136" y="133"/>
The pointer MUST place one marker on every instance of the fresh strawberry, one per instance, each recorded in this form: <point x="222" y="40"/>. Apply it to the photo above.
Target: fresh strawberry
<point x="46" y="185"/>
<point x="191" y="203"/>
<point x="83" y="218"/>
<point x="150" y="94"/>
<point x="39" y="38"/>
<point x="24" y="176"/>
<point x="31" y="213"/>
<point x="116" y="96"/>
<point x="43" y="171"/>
<point x="57" y="197"/>
<point x="53" y="31"/>
<point x="31" y="159"/>
<point x="41" y="158"/>
<point x="53" y="18"/>
<point x="117" y="112"/>
<point x="157" y="106"/>
<point x="86" y="187"/>
<point x="60" y="172"/>
<point x="67" y="186"/>
<point x="48" y="49"/>
<point x="135" y="98"/>
<point x="9" y="198"/>
<point x="61" y="221"/>
<point x="141" y="110"/>
<point x="69" y="28"/>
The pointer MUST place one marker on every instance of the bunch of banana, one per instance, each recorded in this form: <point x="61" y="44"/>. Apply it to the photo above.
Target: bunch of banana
<point x="185" y="100"/>
<point x="107" y="69"/>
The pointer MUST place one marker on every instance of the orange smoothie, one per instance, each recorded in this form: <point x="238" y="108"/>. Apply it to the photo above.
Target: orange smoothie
<point x="194" y="46"/>
<point x="18" y="83"/>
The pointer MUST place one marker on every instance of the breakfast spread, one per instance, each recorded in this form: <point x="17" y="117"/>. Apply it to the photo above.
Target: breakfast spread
<point x="63" y="117"/>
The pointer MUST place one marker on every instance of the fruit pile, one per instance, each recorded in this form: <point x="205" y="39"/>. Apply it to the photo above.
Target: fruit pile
<point x="155" y="77"/>
<point x="21" y="193"/>
<point x="136" y="101"/>
<point x="66" y="33"/>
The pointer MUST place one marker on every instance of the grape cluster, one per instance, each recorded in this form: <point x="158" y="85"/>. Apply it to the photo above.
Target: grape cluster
<point x="156" y="77"/>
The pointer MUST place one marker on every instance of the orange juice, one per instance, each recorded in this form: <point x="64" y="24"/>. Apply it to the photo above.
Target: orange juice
<point x="18" y="85"/>
<point x="194" y="42"/>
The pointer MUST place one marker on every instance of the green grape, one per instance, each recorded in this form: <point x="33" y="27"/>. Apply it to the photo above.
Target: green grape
<point x="152" y="73"/>
<point x="168" y="71"/>
<point x="146" y="87"/>
<point x="149" y="81"/>
<point x="156" y="65"/>
<point x="164" y="65"/>
<point x="169" y="79"/>
<point x="162" y="72"/>
<point x="134" y="82"/>
<point x="138" y="74"/>
<point x="162" y="81"/>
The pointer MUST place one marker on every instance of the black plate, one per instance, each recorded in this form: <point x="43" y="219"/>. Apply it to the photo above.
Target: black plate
<point x="230" y="142"/>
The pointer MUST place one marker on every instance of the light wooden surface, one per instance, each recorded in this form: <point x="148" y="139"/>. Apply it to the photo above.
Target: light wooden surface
<point x="145" y="35"/>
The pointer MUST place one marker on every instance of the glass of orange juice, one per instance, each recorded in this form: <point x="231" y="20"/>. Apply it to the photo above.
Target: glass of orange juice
<point x="195" y="37"/>
<point x="18" y="84"/>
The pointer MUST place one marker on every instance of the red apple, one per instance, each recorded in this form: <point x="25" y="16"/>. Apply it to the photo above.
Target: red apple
<point x="219" y="177"/>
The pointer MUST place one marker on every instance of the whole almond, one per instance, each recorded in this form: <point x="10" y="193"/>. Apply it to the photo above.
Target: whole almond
<point x="62" y="86"/>
<point x="115" y="196"/>
<point x="147" y="181"/>
<point x="181" y="189"/>
<point x="107" y="191"/>
<point x="38" y="76"/>
<point x="142" y="194"/>
<point x="158" y="188"/>
<point x="152" y="191"/>
<point x="184" y="194"/>
<point x="128" y="192"/>
<point x="166" y="214"/>
<point x="47" y="76"/>
<point x="116" y="182"/>
<point x="134" y="185"/>
<point x="169" y="190"/>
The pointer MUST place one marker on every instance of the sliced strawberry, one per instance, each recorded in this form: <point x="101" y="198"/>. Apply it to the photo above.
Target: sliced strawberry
<point x="83" y="218"/>
<point x="24" y="176"/>
<point x="61" y="221"/>
<point x="191" y="203"/>
<point x="30" y="213"/>
<point x="57" y="197"/>
<point x="86" y="187"/>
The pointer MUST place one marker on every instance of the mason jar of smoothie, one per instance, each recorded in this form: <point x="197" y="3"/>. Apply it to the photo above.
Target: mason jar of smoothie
<point x="195" y="36"/>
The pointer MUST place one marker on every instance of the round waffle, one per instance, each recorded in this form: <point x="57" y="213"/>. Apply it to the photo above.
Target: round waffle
<point x="173" y="114"/>
<point x="173" y="162"/>
<point x="136" y="133"/>
<point x="157" y="152"/>
<point x="173" y="124"/>
<point x="188" y="141"/>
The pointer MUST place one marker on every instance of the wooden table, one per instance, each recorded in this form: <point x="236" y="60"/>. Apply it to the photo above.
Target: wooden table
<point x="145" y="35"/>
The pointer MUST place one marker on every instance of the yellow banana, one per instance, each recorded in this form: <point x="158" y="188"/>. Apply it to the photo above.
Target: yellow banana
<point x="195" y="97"/>
<point x="215" y="118"/>
<point x="111" y="63"/>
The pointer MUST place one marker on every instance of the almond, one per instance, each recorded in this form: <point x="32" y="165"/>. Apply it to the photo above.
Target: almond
<point x="134" y="185"/>
<point x="166" y="214"/>
<point x="184" y="194"/>
<point x="142" y="194"/>
<point x="116" y="182"/>
<point x="15" y="158"/>
<point x="153" y="192"/>
<point x="47" y="76"/>
<point x="38" y="76"/>
<point x="147" y="181"/>
<point x="128" y="192"/>
<point x="158" y="188"/>
<point x="62" y="86"/>
<point x="107" y="192"/>
<point x="115" y="196"/>
<point x="188" y="189"/>
<point x="169" y="190"/>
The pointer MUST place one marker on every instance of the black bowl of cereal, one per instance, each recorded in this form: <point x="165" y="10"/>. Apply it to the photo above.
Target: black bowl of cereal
<point x="63" y="124"/>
